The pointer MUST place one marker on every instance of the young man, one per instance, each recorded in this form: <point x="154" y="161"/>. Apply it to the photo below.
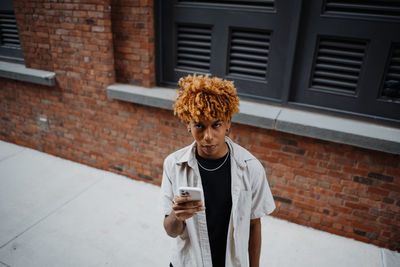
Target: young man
<point x="226" y="229"/>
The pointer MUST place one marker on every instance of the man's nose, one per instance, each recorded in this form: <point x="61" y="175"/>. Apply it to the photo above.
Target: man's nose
<point x="208" y="135"/>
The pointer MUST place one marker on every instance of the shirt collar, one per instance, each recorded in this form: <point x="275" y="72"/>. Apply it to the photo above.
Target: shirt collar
<point x="239" y="154"/>
<point x="189" y="155"/>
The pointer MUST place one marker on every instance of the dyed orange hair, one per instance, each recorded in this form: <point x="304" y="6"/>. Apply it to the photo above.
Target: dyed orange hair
<point x="201" y="97"/>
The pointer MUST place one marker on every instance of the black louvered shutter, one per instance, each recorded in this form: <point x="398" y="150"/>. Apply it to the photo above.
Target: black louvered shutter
<point x="248" y="54"/>
<point x="338" y="64"/>
<point x="8" y="30"/>
<point x="391" y="83"/>
<point x="194" y="48"/>
<point x="236" y="40"/>
<point x="347" y="60"/>
<point x="10" y="47"/>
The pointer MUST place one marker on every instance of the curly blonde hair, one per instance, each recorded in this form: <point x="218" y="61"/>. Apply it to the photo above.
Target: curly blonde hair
<point x="201" y="97"/>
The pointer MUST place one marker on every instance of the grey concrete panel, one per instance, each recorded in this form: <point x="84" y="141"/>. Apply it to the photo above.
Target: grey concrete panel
<point x="256" y="114"/>
<point x="287" y="244"/>
<point x="33" y="185"/>
<point x="8" y="150"/>
<point x="340" y="130"/>
<point x="154" y="97"/>
<point x="390" y="258"/>
<point x="116" y="222"/>
<point x="21" y="73"/>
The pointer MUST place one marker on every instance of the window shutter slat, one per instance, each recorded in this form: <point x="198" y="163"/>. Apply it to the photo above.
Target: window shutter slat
<point x="338" y="60"/>
<point x="323" y="66"/>
<point x="249" y="63"/>
<point x="250" y="42"/>
<point x="198" y="43"/>
<point x="334" y="83"/>
<point x="340" y="52"/>
<point x="334" y="75"/>
<point x="193" y="50"/>
<point x="248" y="56"/>
<point x="194" y="56"/>
<point x="248" y="49"/>
<point x="247" y="71"/>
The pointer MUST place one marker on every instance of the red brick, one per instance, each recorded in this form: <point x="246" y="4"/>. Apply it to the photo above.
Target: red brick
<point x="292" y="163"/>
<point x="367" y="228"/>
<point x="355" y="171"/>
<point x="378" y="191"/>
<point x="303" y="206"/>
<point x="336" y="188"/>
<point x="393" y="171"/>
<point x="356" y="206"/>
<point x="285" y="188"/>
<point x="391" y="187"/>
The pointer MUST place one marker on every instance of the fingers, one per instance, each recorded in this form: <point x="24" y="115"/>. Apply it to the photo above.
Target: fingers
<point x="184" y="208"/>
<point x="187" y="205"/>
<point x="187" y="213"/>
<point x="180" y="200"/>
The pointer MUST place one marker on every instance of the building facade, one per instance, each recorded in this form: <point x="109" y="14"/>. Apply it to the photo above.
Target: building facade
<point x="90" y="81"/>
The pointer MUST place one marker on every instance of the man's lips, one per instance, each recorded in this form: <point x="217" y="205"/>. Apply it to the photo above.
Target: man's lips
<point x="208" y="147"/>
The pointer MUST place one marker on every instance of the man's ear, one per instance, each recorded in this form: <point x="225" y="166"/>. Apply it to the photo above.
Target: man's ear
<point x="228" y="123"/>
<point x="228" y="127"/>
<point x="187" y="125"/>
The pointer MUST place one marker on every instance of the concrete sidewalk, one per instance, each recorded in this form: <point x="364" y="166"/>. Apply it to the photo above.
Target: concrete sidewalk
<point x="54" y="212"/>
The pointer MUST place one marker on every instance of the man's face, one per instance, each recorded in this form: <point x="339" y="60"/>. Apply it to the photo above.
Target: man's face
<point x="210" y="137"/>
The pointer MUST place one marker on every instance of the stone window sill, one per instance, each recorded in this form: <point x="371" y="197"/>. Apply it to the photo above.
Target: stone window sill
<point x="325" y="127"/>
<point x="20" y="73"/>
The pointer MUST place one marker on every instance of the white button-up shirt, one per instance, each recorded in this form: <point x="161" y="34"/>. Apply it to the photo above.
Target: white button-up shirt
<point x="251" y="199"/>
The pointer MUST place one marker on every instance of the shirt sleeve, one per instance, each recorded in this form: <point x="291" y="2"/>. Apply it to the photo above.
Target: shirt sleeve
<point x="166" y="190"/>
<point x="262" y="199"/>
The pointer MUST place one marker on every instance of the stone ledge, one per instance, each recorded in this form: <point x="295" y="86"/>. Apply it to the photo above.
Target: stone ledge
<point x="325" y="127"/>
<point x="21" y="73"/>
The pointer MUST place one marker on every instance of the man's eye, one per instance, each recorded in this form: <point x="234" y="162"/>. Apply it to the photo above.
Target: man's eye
<point x="198" y="126"/>
<point x="217" y="125"/>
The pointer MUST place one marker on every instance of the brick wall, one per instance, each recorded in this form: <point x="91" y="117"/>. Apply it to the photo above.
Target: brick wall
<point x="133" y="30"/>
<point x="337" y="188"/>
<point x="32" y="19"/>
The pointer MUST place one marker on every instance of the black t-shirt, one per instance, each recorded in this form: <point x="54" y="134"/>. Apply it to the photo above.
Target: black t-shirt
<point x="218" y="202"/>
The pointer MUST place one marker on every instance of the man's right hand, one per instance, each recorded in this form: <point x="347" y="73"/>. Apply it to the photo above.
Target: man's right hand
<point x="184" y="208"/>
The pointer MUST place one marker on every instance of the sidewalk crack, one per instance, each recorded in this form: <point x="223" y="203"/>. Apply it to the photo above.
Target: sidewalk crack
<point x="382" y="258"/>
<point x="12" y="155"/>
<point x="4" y="264"/>
<point x="276" y="119"/>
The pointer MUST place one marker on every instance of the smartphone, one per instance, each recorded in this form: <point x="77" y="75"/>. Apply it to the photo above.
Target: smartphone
<point x="195" y="192"/>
